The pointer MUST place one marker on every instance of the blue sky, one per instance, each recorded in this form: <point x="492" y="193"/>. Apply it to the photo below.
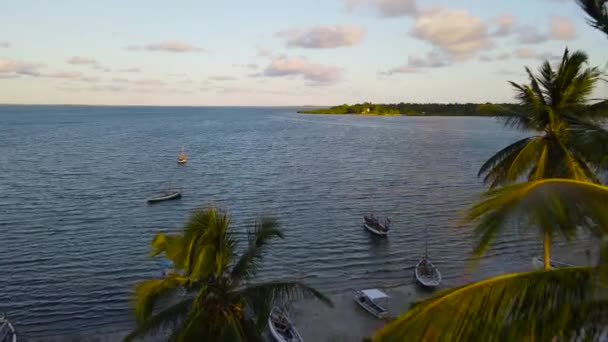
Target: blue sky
<point x="271" y="52"/>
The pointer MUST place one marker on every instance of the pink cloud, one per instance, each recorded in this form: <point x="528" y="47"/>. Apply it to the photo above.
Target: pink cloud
<point x="168" y="46"/>
<point x="324" y="37"/>
<point x="298" y="66"/>
<point x="76" y="60"/>
<point x="562" y="28"/>
<point x="385" y="8"/>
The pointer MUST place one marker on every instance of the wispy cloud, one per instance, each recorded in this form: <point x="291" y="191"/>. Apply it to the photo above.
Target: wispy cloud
<point x="416" y="64"/>
<point x="323" y="37"/>
<point x="64" y="75"/>
<point x="77" y="60"/>
<point x="8" y="67"/>
<point x="149" y="82"/>
<point x="5" y="44"/>
<point x="222" y="78"/>
<point x="527" y="53"/>
<point x="167" y="46"/>
<point x="530" y="34"/>
<point x="562" y="28"/>
<point x="505" y="23"/>
<point x="384" y="8"/>
<point x="130" y="70"/>
<point x="299" y="66"/>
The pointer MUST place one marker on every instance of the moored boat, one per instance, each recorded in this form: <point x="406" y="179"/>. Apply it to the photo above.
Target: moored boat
<point x="281" y="328"/>
<point x="373" y="301"/>
<point x="376" y="226"/>
<point x="181" y="157"/>
<point x="165" y="196"/>
<point x="7" y="331"/>
<point x="427" y="274"/>
<point x="538" y="263"/>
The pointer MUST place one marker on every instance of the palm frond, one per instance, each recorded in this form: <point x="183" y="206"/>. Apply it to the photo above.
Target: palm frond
<point x="512" y="307"/>
<point x="597" y="12"/>
<point x="263" y="232"/>
<point x="166" y="318"/>
<point x="503" y="154"/>
<point x="261" y="297"/>
<point x="557" y="204"/>
<point x="149" y="292"/>
<point x="525" y="159"/>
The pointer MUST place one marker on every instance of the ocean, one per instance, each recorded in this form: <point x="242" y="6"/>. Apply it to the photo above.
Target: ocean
<point x="75" y="226"/>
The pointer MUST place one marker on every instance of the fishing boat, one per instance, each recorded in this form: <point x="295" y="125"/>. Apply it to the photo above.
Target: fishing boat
<point x="165" y="196"/>
<point x="376" y="225"/>
<point x="281" y="328"/>
<point x="538" y="263"/>
<point x="182" y="158"/>
<point x="426" y="273"/>
<point x="7" y="331"/>
<point x="373" y="301"/>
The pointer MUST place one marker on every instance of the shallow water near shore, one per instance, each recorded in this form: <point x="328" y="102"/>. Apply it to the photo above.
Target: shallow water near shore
<point x="75" y="227"/>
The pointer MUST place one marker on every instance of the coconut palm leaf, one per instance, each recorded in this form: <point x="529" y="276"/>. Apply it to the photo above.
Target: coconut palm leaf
<point x="263" y="232"/>
<point x="597" y="12"/>
<point x="507" y="152"/>
<point x="553" y="205"/>
<point x="513" y="307"/>
<point x="149" y="292"/>
<point x="165" y="319"/>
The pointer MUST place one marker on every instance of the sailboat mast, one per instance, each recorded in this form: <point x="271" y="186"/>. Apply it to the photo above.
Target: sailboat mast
<point x="426" y="242"/>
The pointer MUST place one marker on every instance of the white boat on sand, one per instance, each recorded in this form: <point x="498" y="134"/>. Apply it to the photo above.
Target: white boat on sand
<point x="7" y="331"/>
<point x="281" y="328"/>
<point x="373" y="301"/>
<point x="538" y="263"/>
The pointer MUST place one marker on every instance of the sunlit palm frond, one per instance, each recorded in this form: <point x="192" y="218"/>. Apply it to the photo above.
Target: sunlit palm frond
<point x="558" y="205"/>
<point x="165" y="319"/>
<point x="263" y="232"/>
<point x="512" y="307"/>
<point x="149" y="292"/>
<point x="598" y="14"/>
<point x="507" y="152"/>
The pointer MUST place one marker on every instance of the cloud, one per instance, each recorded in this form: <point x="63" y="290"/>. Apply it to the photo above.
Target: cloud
<point x="507" y="72"/>
<point x="120" y="80"/>
<point x="149" y="82"/>
<point x="417" y="64"/>
<point x="101" y="68"/>
<point x="76" y="60"/>
<point x="106" y="88"/>
<point x="5" y="44"/>
<point x="324" y="37"/>
<point x="222" y="78"/>
<point x="64" y="75"/>
<point x="130" y="70"/>
<point x="167" y="46"/>
<point x="299" y="66"/>
<point x="526" y="53"/>
<point x="485" y="58"/>
<point x="505" y="25"/>
<point x="562" y="28"/>
<point x="503" y="56"/>
<point x="531" y="35"/>
<point x="454" y="32"/>
<point x="385" y="8"/>
<point x="264" y="52"/>
<point x="12" y="67"/>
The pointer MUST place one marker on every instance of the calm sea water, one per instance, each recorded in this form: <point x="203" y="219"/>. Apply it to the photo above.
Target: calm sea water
<point x="75" y="227"/>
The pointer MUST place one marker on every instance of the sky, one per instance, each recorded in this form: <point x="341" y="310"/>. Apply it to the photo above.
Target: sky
<point x="282" y="52"/>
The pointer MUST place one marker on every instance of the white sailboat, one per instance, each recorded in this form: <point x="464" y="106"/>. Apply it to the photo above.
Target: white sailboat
<point x="426" y="273"/>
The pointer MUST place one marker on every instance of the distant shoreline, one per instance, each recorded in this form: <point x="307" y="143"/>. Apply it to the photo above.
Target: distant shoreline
<point x="419" y="109"/>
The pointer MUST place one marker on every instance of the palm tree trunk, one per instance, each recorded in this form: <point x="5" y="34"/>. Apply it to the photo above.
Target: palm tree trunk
<point x="547" y="250"/>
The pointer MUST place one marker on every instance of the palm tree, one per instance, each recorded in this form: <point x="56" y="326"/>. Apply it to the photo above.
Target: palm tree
<point x="210" y="296"/>
<point x="555" y="102"/>
<point x="598" y="13"/>
<point x="537" y="305"/>
<point x="543" y="204"/>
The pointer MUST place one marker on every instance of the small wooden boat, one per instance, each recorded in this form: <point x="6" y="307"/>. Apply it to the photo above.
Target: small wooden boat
<point x="281" y="328"/>
<point x="539" y="263"/>
<point x="376" y="226"/>
<point x="182" y="158"/>
<point x="7" y="331"/>
<point x="427" y="274"/>
<point x="165" y="196"/>
<point x="373" y="301"/>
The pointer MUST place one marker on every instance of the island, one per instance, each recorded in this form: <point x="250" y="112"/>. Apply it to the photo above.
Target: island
<point x="420" y="109"/>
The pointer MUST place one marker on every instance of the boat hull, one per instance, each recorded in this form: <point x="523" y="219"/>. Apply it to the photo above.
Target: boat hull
<point x="12" y="336"/>
<point x="539" y="263"/>
<point x="274" y="330"/>
<point x="376" y="313"/>
<point x="375" y="231"/>
<point x="168" y="197"/>
<point x="428" y="281"/>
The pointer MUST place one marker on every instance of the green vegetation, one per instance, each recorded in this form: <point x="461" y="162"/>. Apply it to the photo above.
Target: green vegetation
<point x="597" y="12"/>
<point x="420" y="109"/>
<point x="210" y="295"/>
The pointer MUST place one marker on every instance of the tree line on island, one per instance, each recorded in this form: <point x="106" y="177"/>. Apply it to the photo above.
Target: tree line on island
<point x="421" y="109"/>
<point x="549" y="183"/>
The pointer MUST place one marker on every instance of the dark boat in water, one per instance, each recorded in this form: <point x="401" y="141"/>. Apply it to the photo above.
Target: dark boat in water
<point x="165" y="196"/>
<point x="377" y="226"/>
